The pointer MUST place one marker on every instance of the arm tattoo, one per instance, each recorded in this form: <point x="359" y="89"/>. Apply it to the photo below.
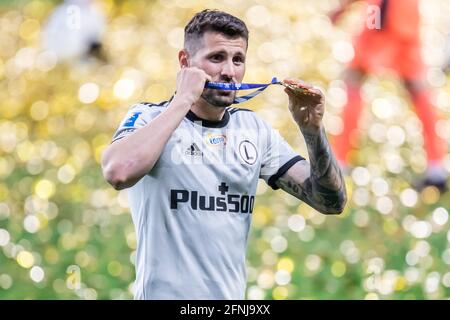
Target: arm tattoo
<point x="324" y="189"/>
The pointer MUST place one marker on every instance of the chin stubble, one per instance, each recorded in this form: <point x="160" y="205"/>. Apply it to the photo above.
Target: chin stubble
<point x="210" y="97"/>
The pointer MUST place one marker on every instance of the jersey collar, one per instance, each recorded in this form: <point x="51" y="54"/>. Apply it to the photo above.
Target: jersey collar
<point x="208" y="123"/>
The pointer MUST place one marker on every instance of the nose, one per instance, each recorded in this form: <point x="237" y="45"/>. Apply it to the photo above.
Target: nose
<point x="228" y="70"/>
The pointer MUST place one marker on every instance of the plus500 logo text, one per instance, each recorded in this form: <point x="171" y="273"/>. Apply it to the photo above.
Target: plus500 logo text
<point x="228" y="203"/>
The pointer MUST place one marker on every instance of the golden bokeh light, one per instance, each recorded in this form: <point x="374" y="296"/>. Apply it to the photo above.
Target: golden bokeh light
<point x="57" y="118"/>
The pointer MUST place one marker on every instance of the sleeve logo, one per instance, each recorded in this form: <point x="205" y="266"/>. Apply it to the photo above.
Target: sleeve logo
<point x="131" y="120"/>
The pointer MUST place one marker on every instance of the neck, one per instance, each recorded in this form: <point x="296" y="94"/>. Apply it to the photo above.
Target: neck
<point x="204" y="110"/>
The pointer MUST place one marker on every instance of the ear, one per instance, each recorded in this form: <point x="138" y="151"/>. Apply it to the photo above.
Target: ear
<point x="183" y="58"/>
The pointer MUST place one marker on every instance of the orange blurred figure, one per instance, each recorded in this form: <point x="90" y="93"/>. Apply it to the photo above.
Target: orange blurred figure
<point x="392" y="43"/>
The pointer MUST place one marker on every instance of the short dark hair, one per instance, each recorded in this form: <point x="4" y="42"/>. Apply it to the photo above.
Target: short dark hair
<point x="216" y="21"/>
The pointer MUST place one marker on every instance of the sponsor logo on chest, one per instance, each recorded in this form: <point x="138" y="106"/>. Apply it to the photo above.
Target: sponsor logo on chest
<point x="216" y="140"/>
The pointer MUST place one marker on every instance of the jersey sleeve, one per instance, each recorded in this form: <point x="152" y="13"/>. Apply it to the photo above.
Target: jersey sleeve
<point x="137" y="116"/>
<point x="277" y="158"/>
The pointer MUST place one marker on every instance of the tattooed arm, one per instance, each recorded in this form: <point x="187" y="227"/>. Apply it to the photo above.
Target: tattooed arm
<point x="318" y="183"/>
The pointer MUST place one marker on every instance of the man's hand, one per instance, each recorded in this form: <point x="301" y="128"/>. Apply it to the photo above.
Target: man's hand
<point x="306" y="105"/>
<point x="319" y="182"/>
<point x="191" y="83"/>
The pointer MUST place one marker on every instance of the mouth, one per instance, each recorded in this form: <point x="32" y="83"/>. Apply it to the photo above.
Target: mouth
<point x="222" y="89"/>
<point x="221" y="92"/>
<point x="224" y="92"/>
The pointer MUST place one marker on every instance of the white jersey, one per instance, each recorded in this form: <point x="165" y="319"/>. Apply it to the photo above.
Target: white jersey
<point x="192" y="212"/>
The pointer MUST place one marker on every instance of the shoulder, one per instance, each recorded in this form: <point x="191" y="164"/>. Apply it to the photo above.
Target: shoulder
<point x="146" y="110"/>
<point x="143" y="112"/>
<point x="149" y="106"/>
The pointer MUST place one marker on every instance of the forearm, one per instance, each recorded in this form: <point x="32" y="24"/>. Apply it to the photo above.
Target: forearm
<point x="324" y="168"/>
<point x="128" y="159"/>
<point x="327" y="183"/>
<point x="318" y="183"/>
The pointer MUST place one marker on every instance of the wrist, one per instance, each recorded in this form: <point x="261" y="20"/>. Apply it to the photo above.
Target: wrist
<point x="312" y="129"/>
<point x="183" y="100"/>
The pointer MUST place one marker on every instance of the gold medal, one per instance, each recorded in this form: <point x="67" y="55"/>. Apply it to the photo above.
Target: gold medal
<point x="298" y="90"/>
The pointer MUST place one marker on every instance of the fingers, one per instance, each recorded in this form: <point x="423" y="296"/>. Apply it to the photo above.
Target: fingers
<point x="191" y="82"/>
<point x="194" y="73"/>
<point x="315" y="91"/>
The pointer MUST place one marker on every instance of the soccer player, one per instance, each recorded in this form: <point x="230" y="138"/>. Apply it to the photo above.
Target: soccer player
<point x="393" y="45"/>
<point x="192" y="165"/>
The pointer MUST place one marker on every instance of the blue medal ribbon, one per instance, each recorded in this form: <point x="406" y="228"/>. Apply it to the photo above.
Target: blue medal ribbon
<point x="242" y="86"/>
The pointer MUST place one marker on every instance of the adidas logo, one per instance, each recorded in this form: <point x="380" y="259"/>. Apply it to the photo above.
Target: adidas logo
<point x="193" y="150"/>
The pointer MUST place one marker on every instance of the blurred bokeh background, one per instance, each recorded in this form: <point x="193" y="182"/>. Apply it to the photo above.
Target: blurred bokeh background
<point x="66" y="234"/>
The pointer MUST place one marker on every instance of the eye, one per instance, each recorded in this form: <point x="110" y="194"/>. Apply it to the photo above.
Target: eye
<point x="216" y="57"/>
<point x="238" y="60"/>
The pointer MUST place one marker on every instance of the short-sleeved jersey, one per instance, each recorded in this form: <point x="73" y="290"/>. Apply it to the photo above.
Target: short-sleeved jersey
<point x="192" y="212"/>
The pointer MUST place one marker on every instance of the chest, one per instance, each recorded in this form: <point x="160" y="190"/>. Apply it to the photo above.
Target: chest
<point x="220" y="153"/>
